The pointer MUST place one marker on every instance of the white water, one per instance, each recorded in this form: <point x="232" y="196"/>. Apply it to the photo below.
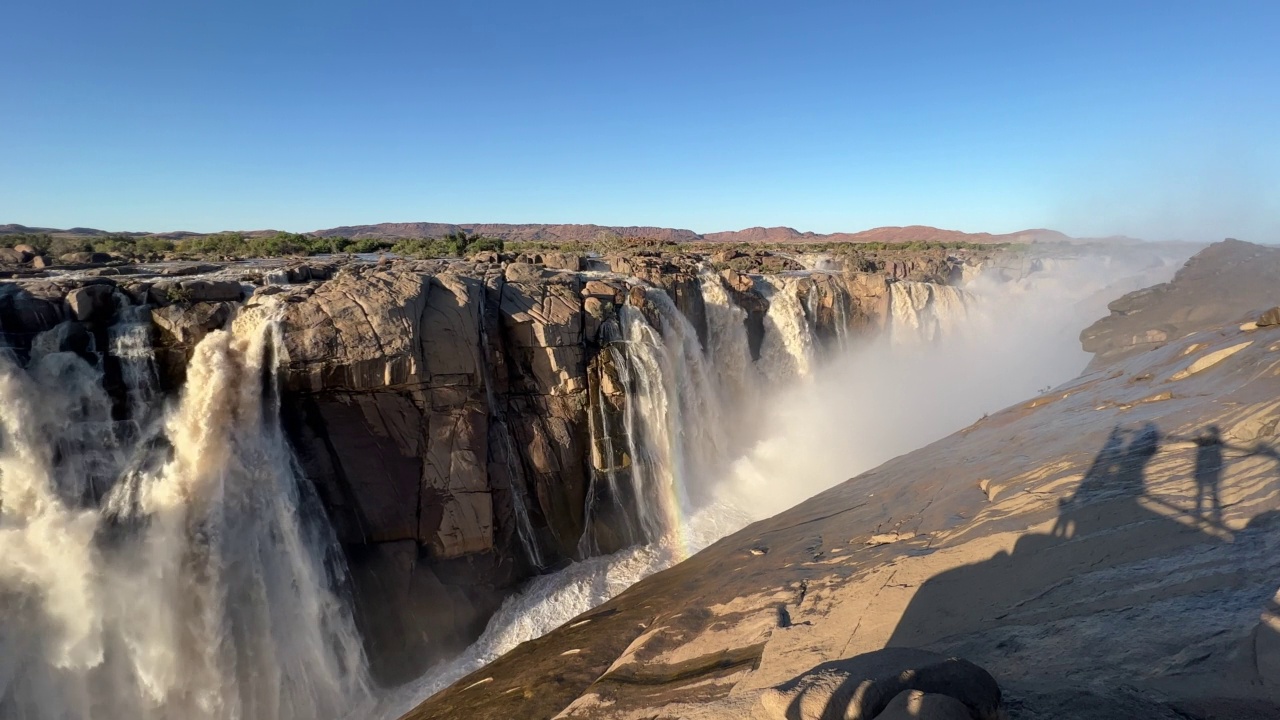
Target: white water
<point x="131" y="346"/>
<point x="204" y="585"/>
<point x="787" y="352"/>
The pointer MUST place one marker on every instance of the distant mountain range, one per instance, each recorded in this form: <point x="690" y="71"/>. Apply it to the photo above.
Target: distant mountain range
<point x="533" y="232"/>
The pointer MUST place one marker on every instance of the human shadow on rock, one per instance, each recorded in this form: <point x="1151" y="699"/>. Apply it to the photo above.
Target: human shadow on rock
<point x="1109" y="522"/>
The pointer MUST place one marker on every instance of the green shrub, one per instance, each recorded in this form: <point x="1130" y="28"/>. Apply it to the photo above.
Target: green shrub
<point x="367" y="245"/>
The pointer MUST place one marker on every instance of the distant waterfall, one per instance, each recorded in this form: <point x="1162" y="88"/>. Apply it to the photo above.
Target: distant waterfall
<point x="207" y="582"/>
<point x="922" y="312"/>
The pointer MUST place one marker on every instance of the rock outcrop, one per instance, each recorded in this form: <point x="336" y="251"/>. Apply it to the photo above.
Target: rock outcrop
<point x="1108" y="549"/>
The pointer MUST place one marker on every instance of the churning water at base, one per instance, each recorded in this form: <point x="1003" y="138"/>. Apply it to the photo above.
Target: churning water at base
<point x="190" y="575"/>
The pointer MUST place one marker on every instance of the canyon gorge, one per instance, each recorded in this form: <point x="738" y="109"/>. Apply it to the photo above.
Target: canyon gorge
<point x="329" y="488"/>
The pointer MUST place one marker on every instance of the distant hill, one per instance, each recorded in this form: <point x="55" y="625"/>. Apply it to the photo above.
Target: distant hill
<point x="536" y="232"/>
<point x="589" y="233"/>
<point x="514" y="233"/>
<point x="910" y="233"/>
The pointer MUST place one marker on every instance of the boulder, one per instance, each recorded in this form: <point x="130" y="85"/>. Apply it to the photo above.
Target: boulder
<point x="917" y="705"/>
<point x="518" y="272"/>
<point x="603" y="290"/>
<point x="9" y="256"/>
<point x="85" y="258"/>
<point x="185" y="326"/>
<point x="866" y="686"/>
<point x="210" y="290"/>
<point x="562" y="261"/>
<point x="1269" y="318"/>
<point x="28" y="249"/>
<point x="92" y="303"/>
<point x="41" y="261"/>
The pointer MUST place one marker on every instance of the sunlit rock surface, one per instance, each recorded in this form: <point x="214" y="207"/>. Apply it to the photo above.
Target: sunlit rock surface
<point x="1107" y="549"/>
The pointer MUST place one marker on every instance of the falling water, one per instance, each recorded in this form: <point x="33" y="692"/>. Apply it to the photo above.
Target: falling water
<point x="130" y="340"/>
<point x="727" y="346"/>
<point x="787" y="350"/>
<point x="671" y="418"/>
<point x="207" y="583"/>
<point x="922" y="312"/>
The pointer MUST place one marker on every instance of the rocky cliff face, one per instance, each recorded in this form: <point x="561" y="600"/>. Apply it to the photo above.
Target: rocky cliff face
<point x="1107" y="549"/>
<point x="452" y="414"/>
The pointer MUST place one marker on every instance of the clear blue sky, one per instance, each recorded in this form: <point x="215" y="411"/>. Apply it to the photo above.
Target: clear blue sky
<point x="1157" y="119"/>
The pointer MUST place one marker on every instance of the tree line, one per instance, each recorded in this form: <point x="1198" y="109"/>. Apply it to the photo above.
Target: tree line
<point x="239" y="245"/>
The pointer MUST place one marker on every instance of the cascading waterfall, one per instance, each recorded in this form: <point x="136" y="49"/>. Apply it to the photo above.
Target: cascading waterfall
<point x="671" y="419"/>
<point x="787" y="351"/>
<point x="130" y="339"/>
<point x="673" y="424"/>
<point x="727" y="346"/>
<point x="206" y="584"/>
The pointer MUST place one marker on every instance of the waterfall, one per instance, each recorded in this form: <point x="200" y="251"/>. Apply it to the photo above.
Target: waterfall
<point x="672" y="420"/>
<point x="788" y="347"/>
<point x="727" y="345"/>
<point x="923" y="312"/>
<point x="130" y="339"/>
<point x="207" y="584"/>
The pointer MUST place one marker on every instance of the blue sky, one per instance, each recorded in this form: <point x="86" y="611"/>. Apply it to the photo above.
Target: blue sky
<point x="1156" y="119"/>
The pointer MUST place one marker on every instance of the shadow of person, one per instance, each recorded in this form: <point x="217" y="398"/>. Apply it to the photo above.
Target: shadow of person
<point x="1118" y="471"/>
<point x="1009" y="611"/>
<point x="1208" y="474"/>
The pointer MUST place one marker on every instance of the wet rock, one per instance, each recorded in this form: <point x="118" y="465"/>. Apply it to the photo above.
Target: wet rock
<point x="28" y="310"/>
<point x="69" y="336"/>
